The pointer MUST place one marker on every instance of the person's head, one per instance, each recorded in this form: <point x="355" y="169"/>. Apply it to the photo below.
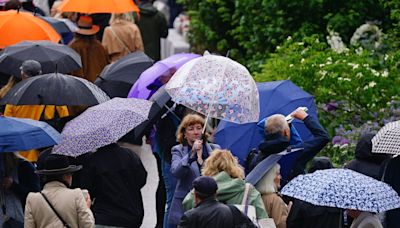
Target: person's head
<point x="277" y="124"/>
<point x="190" y="129"/>
<point x="30" y="68"/>
<point x="86" y="27"/>
<point x="55" y="167"/>
<point x="204" y="187"/>
<point x="10" y="162"/>
<point x="164" y="79"/>
<point x="271" y="181"/>
<point x="320" y="163"/>
<point x="363" y="151"/>
<point x="222" y="160"/>
<point x="12" y="5"/>
<point x="115" y="17"/>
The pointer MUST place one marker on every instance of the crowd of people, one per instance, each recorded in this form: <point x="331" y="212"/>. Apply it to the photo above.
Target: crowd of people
<point x="201" y="184"/>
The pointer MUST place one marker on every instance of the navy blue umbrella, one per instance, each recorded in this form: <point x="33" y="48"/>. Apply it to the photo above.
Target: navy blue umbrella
<point x="24" y="134"/>
<point x="281" y="97"/>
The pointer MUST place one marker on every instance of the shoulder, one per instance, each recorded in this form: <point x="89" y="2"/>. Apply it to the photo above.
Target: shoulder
<point x="178" y="147"/>
<point x="214" y="146"/>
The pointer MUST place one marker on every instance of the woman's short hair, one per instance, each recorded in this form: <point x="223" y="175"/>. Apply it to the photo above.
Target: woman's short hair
<point x="187" y="121"/>
<point x="222" y="160"/>
<point x="267" y="184"/>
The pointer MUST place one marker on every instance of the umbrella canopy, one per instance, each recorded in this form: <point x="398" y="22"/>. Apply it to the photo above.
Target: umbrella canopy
<point x="18" y="26"/>
<point x="98" y="6"/>
<point x="387" y="140"/>
<point x="101" y="125"/>
<point x="217" y="87"/>
<point x="285" y="158"/>
<point x="53" y="57"/>
<point x="343" y="188"/>
<point x="113" y="88"/>
<point x="61" y="25"/>
<point x="160" y="68"/>
<point x="55" y="89"/>
<point x="275" y="97"/>
<point x="25" y="134"/>
<point x="128" y="68"/>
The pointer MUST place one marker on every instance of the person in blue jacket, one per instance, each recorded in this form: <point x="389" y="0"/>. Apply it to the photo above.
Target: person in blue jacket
<point x="278" y="137"/>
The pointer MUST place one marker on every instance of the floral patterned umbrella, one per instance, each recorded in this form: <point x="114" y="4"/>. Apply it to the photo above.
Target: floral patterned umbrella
<point x="343" y="188"/>
<point x="101" y="125"/>
<point x="387" y="140"/>
<point x="217" y="87"/>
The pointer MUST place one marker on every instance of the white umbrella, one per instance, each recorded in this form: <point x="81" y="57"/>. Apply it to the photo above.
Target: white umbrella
<point x="387" y="140"/>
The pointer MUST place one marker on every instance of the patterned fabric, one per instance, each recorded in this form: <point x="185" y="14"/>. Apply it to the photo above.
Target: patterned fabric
<point x="343" y="188"/>
<point x="217" y="86"/>
<point x="101" y="125"/>
<point x="387" y="140"/>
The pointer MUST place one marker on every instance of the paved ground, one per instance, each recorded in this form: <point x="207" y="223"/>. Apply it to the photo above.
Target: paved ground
<point x="149" y="190"/>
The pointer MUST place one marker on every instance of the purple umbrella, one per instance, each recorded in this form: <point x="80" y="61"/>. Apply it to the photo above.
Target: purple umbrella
<point x="101" y="125"/>
<point x="149" y="77"/>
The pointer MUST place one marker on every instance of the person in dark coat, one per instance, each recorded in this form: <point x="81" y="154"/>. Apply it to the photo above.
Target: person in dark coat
<point x="277" y="139"/>
<point x="114" y="176"/>
<point x="208" y="211"/>
<point x="153" y="26"/>
<point x="365" y="161"/>
<point x="94" y="56"/>
<point x="306" y="215"/>
<point x="391" y="176"/>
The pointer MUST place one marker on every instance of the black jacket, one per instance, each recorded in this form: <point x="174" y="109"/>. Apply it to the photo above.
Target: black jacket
<point x="391" y="177"/>
<point x="275" y="143"/>
<point x="153" y="26"/>
<point x="114" y="176"/>
<point x="209" y="213"/>
<point x="28" y="181"/>
<point x="306" y="215"/>
<point x="366" y="162"/>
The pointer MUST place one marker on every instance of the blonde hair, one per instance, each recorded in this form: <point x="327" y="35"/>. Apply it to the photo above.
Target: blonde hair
<point x="4" y="90"/>
<point x="222" y="160"/>
<point x="115" y="17"/>
<point x="188" y="120"/>
<point x="267" y="184"/>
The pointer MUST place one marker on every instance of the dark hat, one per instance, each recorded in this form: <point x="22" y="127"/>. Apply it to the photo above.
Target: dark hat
<point x="320" y="163"/>
<point x="54" y="164"/>
<point x="205" y="185"/>
<point x="31" y="68"/>
<point x="86" y="27"/>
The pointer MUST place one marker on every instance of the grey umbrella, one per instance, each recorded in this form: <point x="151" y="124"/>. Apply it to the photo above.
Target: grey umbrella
<point x="53" y="57"/>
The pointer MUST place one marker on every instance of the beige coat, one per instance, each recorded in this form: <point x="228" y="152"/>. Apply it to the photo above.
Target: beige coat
<point x="127" y="39"/>
<point x="69" y="203"/>
<point x="366" y="220"/>
<point x="276" y="208"/>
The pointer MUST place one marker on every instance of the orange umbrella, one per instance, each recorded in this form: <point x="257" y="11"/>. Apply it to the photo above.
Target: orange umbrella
<point x="19" y="26"/>
<point x="98" y="6"/>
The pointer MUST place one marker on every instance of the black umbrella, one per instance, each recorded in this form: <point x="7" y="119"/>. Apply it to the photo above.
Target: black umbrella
<point x="53" y="57"/>
<point x="128" y="68"/>
<point x="162" y="104"/>
<point x="55" y="89"/>
<point x="113" y="88"/>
